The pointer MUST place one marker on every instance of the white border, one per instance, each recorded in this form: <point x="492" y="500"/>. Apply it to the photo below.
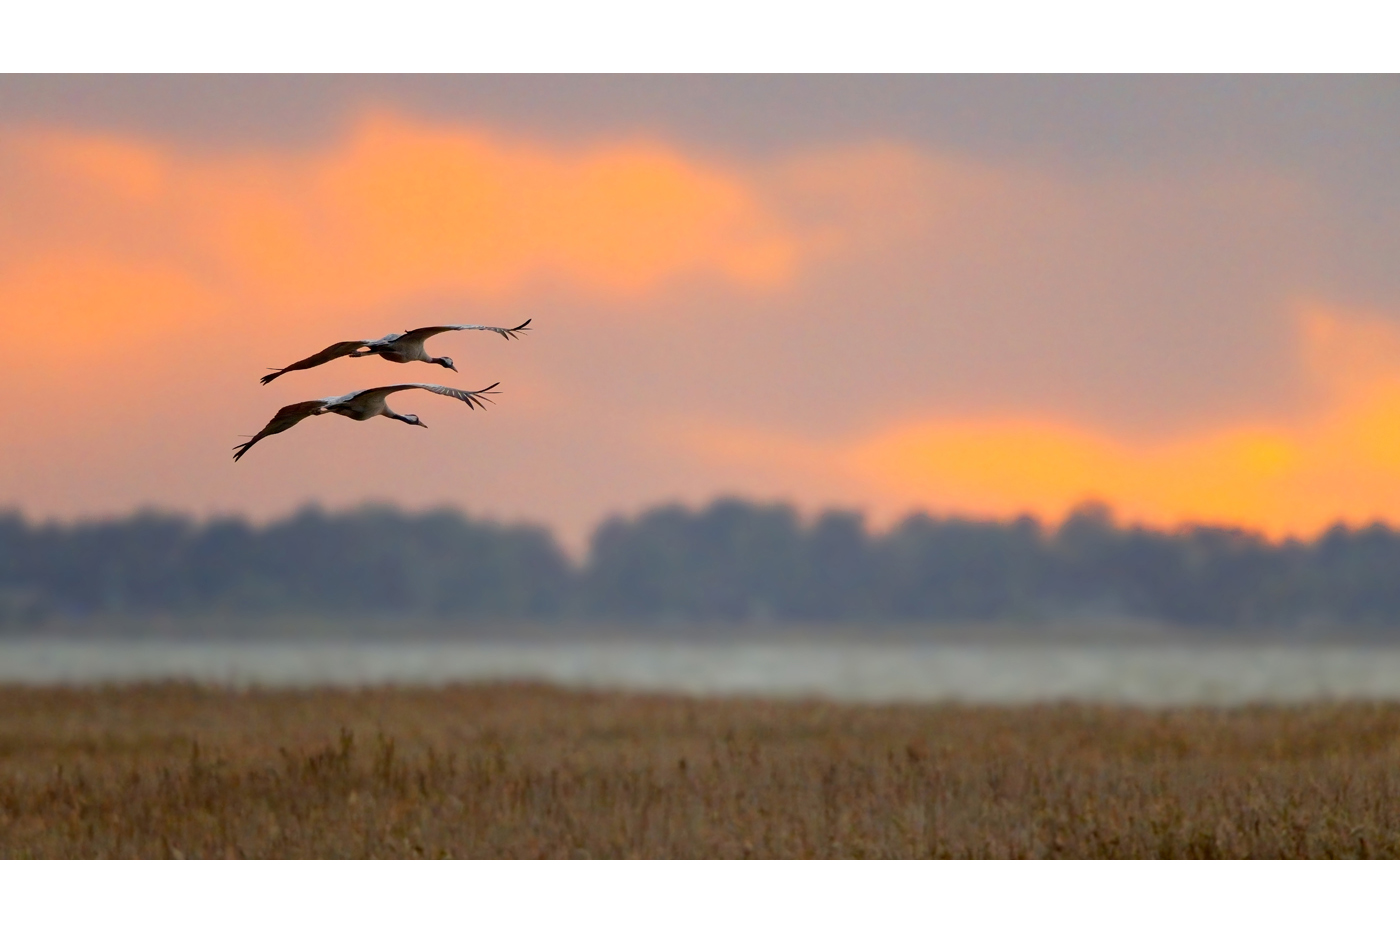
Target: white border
<point x="717" y="35"/>
<point x="705" y="897"/>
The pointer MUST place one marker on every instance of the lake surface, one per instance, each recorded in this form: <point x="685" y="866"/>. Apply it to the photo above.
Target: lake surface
<point x="845" y="669"/>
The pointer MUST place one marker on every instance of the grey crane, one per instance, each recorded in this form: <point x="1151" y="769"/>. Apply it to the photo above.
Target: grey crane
<point x="360" y="406"/>
<point x="396" y="348"/>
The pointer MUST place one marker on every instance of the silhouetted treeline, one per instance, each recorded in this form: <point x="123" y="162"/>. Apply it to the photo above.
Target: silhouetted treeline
<point x="730" y="561"/>
<point x="372" y="560"/>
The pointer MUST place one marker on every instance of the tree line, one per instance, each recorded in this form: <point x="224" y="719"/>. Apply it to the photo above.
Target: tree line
<point x="731" y="560"/>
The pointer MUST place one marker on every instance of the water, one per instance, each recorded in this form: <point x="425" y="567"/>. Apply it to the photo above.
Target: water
<point x="1137" y="674"/>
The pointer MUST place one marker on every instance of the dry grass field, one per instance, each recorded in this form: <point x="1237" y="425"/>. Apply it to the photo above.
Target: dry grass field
<point x="523" y="771"/>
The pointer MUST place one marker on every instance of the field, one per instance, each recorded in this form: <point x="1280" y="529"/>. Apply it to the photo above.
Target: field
<point x="526" y="771"/>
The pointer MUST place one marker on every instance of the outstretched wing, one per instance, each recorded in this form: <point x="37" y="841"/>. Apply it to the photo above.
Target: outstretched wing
<point x="334" y="352"/>
<point x="289" y="416"/>
<point x="419" y="334"/>
<point x="476" y="399"/>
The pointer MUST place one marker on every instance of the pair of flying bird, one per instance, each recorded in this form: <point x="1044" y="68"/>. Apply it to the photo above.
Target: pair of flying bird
<point x="370" y="403"/>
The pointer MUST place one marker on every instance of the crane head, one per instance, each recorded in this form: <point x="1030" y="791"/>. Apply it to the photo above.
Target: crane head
<point x="414" y="419"/>
<point x="446" y="362"/>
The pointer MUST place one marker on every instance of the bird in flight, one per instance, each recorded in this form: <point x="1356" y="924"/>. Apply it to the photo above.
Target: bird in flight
<point x="360" y="406"/>
<point x="396" y="348"/>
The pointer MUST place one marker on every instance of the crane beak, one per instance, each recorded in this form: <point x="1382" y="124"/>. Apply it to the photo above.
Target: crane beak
<point x="421" y="425"/>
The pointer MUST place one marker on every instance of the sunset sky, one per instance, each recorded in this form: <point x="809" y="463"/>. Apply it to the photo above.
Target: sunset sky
<point x="972" y="295"/>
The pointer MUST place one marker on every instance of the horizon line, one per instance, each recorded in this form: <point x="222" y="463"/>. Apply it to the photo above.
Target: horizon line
<point x="1099" y="509"/>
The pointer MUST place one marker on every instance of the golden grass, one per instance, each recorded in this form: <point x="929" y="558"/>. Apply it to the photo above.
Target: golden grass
<point x="522" y="771"/>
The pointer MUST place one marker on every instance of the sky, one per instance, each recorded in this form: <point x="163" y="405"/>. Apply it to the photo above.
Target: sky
<point x="975" y="295"/>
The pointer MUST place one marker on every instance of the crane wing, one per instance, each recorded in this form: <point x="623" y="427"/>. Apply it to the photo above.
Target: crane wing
<point x="474" y="399"/>
<point x="334" y="352"/>
<point x="288" y="416"/>
<point x="419" y="334"/>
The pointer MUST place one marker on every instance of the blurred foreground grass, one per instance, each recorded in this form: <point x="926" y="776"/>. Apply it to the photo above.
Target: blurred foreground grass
<point x="524" y="771"/>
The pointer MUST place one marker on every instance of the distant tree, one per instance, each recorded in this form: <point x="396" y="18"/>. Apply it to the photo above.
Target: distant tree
<point x="836" y="571"/>
<point x="731" y="561"/>
<point x="960" y="569"/>
<point x="1353" y="574"/>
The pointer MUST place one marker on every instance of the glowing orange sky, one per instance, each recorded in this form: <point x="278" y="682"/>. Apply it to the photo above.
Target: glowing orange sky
<point x="1295" y="474"/>
<point x="869" y="324"/>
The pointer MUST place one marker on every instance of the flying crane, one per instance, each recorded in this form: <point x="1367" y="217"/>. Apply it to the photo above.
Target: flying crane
<point x="396" y="348"/>
<point x="360" y="406"/>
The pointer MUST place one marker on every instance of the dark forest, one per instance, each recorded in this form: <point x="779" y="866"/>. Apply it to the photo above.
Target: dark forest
<point x="730" y="561"/>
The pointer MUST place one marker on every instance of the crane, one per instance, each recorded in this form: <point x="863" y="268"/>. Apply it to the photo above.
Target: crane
<point x="360" y="406"/>
<point x="396" y="348"/>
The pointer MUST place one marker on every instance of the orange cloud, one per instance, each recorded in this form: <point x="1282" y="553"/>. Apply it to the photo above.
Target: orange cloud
<point x="84" y="306"/>
<point x="1293" y="476"/>
<point x="397" y="209"/>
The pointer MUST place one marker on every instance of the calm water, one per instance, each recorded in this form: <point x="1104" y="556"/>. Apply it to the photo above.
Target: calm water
<point x="1154" y="674"/>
